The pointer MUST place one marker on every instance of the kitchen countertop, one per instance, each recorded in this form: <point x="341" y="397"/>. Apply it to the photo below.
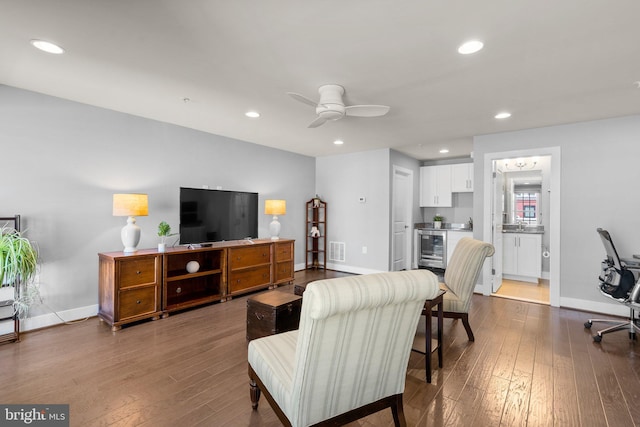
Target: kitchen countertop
<point x="523" y="229"/>
<point x="445" y="226"/>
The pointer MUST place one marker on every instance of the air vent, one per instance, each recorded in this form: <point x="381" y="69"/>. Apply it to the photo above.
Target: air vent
<point x="336" y="251"/>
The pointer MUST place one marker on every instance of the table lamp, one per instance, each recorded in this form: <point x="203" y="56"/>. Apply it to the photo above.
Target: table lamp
<point x="275" y="208"/>
<point x="130" y="205"/>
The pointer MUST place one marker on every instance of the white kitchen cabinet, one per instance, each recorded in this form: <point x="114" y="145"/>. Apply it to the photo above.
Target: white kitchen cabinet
<point x="435" y="186"/>
<point x="522" y="256"/>
<point x="462" y="178"/>
<point x="453" y="237"/>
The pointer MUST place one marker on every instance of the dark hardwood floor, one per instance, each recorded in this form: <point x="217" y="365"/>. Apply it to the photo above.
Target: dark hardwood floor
<point x="530" y="365"/>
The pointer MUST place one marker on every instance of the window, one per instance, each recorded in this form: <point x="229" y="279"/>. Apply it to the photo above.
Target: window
<point x="526" y="204"/>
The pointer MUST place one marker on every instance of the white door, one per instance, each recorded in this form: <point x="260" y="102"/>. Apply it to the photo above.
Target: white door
<point x="496" y="223"/>
<point x="402" y="201"/>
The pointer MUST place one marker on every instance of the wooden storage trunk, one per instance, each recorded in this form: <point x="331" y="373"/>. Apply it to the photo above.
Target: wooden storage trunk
<point x="272" y="312"/>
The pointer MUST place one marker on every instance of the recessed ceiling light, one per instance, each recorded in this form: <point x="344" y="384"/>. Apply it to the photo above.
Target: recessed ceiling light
<point x="471" y="46"/>
<point x="338" y="142"/>
<point x="252" y="114"/>
<point x="503" y="115"/>
<point x="47" y="46"/>
<point x="444" y="151"/>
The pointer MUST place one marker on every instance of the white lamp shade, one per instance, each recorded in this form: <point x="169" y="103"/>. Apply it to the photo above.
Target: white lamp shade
<point x="275" y="207"/>
<point x="130" y="205"/>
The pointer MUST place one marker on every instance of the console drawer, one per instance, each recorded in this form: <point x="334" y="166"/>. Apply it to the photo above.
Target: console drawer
<point x="249" y="256"/>
<point x="138" y="302"/>
<point x="283" y="251"/>
<point x="250" y="278"/>
<point x="138" y="271"/>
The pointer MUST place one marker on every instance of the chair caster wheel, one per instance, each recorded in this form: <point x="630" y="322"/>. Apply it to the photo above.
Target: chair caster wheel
<point x="632" y="336"/>
<point x="597" y="338"/>
<point x="588" y="325"/>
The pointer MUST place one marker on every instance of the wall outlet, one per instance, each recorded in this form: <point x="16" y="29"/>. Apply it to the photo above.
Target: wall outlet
<point x="362" y="199"/>
<point x="205" y="187"/>
<point x="364" y="249"/>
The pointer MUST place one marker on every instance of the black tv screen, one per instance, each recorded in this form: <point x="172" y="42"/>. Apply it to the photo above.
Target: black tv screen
<point x="217" y="215"/>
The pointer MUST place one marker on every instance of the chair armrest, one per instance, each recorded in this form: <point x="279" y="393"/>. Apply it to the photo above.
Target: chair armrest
<point x="631" y="263"/>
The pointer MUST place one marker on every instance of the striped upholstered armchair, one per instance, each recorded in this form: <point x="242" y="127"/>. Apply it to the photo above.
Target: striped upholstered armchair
<point x="349" y="358"/>
<point x="460" y="279"/>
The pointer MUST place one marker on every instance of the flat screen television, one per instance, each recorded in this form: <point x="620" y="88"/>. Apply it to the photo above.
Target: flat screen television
<point x="217" y="215"/>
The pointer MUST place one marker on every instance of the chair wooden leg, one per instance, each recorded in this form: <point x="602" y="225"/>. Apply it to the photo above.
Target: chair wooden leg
<point x="467" y="327"/>
<point x="255" y="393"/>
<point x="398" y="412"/>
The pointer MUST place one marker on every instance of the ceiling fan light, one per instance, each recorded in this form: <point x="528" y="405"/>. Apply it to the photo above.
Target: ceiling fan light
<point x="46" y="46"/>
<point x="470" y="47"/>
<point x="444" y="151"/>
<point x="252" y="114"/>
<point x="503" y="115"/>
<point x="338" y="142"/>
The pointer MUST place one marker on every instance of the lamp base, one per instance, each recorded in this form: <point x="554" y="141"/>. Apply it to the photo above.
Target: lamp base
<point x="130" y="235"/>
<point x="274" y="228"/>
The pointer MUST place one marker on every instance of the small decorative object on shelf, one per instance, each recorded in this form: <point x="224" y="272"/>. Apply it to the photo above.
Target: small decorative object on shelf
<point x="193" y="266"/>
<point x="316" y="241"/>
<point x="437" y="221"/>
<point x="164" y="231"/>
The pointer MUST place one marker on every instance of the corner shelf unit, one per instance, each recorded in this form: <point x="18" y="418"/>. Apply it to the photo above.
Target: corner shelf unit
<point x="12" y="321"/>
<point x="316" y="245"/>
<point x="183" y="289"/>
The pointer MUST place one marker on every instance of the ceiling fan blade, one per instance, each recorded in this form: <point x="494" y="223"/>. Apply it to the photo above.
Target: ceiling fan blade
<point x="366" y="110"/>
<point x="302" y="99"/>
<point x="317" y="122"/>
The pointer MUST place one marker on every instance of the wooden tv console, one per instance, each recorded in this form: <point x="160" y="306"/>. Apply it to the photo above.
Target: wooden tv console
<point x="151" y="284"/>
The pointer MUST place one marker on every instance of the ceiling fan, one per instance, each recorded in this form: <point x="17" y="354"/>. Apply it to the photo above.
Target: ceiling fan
<point x="331" y="107"/>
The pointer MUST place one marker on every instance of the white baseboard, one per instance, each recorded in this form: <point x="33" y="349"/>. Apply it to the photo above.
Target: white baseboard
<point x="50" y="319"/>
<point x="351" y="269"/>
<point x="612" y="309"/>
<point x="342" y="268"/>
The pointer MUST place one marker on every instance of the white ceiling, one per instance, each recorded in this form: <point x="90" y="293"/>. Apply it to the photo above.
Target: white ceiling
<point x="548" y="62"/>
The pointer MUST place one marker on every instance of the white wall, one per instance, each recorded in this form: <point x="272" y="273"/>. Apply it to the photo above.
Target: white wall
<point x="62" y="161"/>
<point x="340" y="181"/>
<point x="599" y="175"/>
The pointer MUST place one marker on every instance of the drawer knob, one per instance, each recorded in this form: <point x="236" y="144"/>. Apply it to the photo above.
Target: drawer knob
<point x="138" y="272"/>
<point x="178" y="290"/>
<point x="138" y="302"/>
<point x="259" y="316"/>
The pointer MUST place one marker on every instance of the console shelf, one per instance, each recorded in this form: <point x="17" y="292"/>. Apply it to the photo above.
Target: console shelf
<point x="183" y="289"/>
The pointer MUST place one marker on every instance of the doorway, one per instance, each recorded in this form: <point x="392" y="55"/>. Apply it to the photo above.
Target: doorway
<point x="521" y="202"/>
<point x="401" y="218"/>
<point x="493" y="272"/>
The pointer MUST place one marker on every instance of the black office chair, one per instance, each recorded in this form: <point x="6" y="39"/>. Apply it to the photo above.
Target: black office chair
<point x="619" y="281"/>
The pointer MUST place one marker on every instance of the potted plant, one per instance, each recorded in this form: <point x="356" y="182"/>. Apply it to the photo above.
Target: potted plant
<point x="437" y="221"/>
<point x="164" y="231"/>
<point x="18" y="265"/>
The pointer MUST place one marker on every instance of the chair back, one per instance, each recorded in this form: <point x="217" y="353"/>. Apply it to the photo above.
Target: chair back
<point x="354" y="341"/>
<point x="462" y="272"/>
<point x="612" y="254"/>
